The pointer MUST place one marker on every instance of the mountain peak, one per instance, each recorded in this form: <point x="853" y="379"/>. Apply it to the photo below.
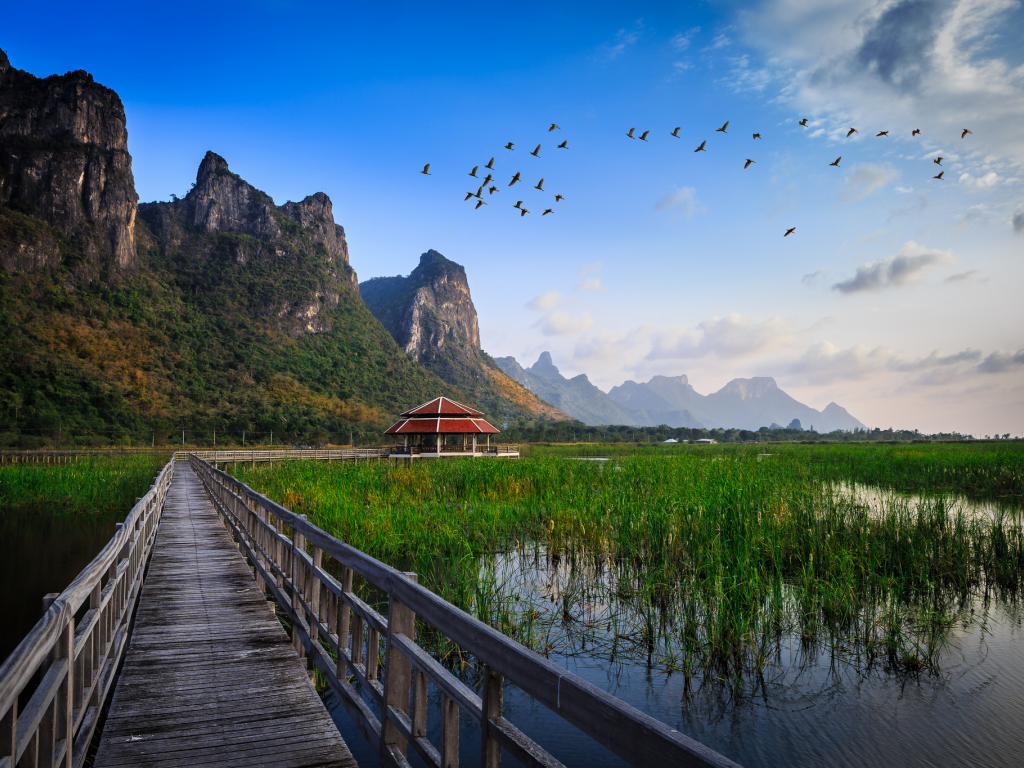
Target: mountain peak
<point x="545" y="367"/>
<point x="433" y="257"/>
<point x="758" y="386"/>
<point x="5" y="63"/>
<point x="211" y="165"/>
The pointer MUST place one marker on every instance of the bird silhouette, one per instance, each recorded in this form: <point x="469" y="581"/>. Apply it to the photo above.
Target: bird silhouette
<point x="804" y="122"/>
<point x="492" y="190"/>
<point x="643" y="136"/>
<point x="546" y="212"/>
<point x="747" y="164"/>
<point x="490" y="164"/>
<point x="479" y="192"/>
<point x="479" y="203"/>
<point x="850" y="132"/>
<point x="790" y="231"/>
<point x="558" y="198"/>
<point x="836" y="163"/>
<point x="522" y="212"/>
<point x="553" y="126"/>
<point x="630" y="133"/>
<point x="536" y="152"/>
<point x="515" y="179"/>
<point x="701" y="147"/>
<point x="563" y="145"/>
<point x="757" y="135"/>
<point x="938" y="160"/>
<point x="473" y="172"/>
<point x="914" y="132"/>
<point x="722" y="129"/>
<point x="964" y="133"/>
<point x="540" y="185"/>
<point x="509" y="146"/>
<point x="939" y="177"/>
<point x="426" y="170"/>
<point x="676" y="132"/>
<point x="881" y="133"/>
<point x="488" y="178"/>
<point x="468" y="195"/>
<point x="518" y="203"/>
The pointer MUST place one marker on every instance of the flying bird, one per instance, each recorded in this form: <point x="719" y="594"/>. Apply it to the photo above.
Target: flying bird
<point x="488" y="178"/>
<point x="479" y="203"/>
<point x="643" y="136"/>
<point x="676" y="132"/>
<point x="490" y="164"/>
<point x="522" y="212"/>
<point x="836" y="163"/>
<point x="938" y="160"/>
<point x="850" y="132"/>
<point x="536" y="152"/>
<point x="468" y="195"/>
<point x="492" y="190"/>
<point x="518" y="203"/>
<point x="559" y="198"/>
<point x="426" y="170"/>
<point x="722" y="129"/>
<point x="479" y="191"/>
<point x="790" y="231"/>
<point x="515" y="179"/>
<point x="563" y="145"/>
<point x="914" y="132"/>
<point x="757" y="135"/>
<point x="964" y="133"/>
<point x="881" y="133"/>
<point x="747" y="164"/>
<point x="630" y="133"/>
<point x="540" y="185"/>
<point x="701" y="147"/>
<point x="804" y="124"/>
<point x="939" y="177"/>
<point x="509" y="146"/>
<point x="473" y="172"/>
<point x="546" y="212"/>
<point x="553" y="126"/>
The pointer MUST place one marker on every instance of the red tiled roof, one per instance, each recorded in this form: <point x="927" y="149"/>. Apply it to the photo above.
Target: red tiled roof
<point x="442" y="406"/>
<point x="438" y="426"/>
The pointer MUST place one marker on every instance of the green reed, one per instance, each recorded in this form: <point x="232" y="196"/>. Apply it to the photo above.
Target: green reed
<point x="92" y="485"/>
<point x="702" y="562"/>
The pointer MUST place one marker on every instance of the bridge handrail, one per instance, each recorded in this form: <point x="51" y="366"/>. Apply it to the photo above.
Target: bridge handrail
<point x="77" y="664"/>
<point x="325" y="612"/>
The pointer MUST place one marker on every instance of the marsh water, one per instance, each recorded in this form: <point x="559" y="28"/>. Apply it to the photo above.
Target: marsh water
<point x="815" y="706"/>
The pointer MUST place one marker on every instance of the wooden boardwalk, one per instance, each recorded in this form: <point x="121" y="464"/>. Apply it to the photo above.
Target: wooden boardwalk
<point x="210" y="677"/>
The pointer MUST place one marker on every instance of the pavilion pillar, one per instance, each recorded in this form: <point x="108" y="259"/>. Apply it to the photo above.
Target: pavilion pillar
<point x="474" y="446"/>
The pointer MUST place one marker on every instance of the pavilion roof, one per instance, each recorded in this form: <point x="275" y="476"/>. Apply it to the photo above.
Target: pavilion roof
<point x="441" y="426"/>
<point x="442" y="406"/>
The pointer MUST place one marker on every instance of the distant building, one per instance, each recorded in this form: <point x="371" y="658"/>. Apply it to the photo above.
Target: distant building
<point x="706" y="441"/>
<point x="670" y="440"/>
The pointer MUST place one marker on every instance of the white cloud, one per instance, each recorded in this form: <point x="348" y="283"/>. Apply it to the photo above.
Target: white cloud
<point x="682" y="202"/>
<point x="866" y="178"/>
<point x="586" y="269"/>
<point x="545" y="302"/>
<point x="824" y="363"/>
<point x="990" y="179"/>
<point x="681" y="41"/>
<point x="623" y="39"/>
<point x="1001" y="362"/>
<point x="1017" y="222"/>
<point x="896" y="271"/>
<point x="731" y="337"/>
<point x="561" y="324"/>
<point x="812" y="279"/>
<point x="971" y="275"/>
<point x="590" y="285"/>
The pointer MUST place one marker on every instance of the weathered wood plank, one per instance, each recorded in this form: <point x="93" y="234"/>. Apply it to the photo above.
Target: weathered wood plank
<point x="210" y="677"/>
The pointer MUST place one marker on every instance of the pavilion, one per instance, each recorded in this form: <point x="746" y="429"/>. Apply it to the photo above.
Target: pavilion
<point x="444" y="428"/>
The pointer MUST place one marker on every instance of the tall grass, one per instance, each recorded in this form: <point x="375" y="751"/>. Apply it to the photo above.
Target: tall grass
<point x="703" y="562"/>
<point x="93" y="485"/>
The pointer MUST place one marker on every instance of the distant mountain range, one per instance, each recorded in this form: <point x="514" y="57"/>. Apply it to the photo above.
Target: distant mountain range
<point x="741" y="404"/>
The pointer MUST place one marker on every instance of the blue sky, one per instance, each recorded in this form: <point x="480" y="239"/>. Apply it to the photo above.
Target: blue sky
<point x="898" y="295"/>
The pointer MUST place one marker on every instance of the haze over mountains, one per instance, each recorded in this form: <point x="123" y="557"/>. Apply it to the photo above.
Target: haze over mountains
<point x="741" y="404"/>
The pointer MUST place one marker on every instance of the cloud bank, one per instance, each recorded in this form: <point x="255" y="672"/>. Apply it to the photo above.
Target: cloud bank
<point x="903" y="269"/>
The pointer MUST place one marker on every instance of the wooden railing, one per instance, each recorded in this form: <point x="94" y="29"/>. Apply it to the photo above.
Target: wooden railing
<point x="319" y="454"/>
<point x="341" y="634"/>
<point x="480" y="450"/>
<point x="75" y="665"/>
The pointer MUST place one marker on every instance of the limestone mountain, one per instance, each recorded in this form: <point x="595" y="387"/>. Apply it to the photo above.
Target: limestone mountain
<point x="430" y="314"/>
<point x="66" y="183"/>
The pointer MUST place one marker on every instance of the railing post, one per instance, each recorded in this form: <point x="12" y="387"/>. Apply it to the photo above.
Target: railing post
<point x="64" y="709"/>
<point x="343" y="621"/>
<point x="299" y="545"/>
<point x="492" y="697"/>
<point x="397" y="674"/>
<point x="9" y="732"/>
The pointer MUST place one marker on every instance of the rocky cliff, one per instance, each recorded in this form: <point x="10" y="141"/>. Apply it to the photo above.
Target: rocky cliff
<point x="64" y="161"/>
<point x="430" y="313"/>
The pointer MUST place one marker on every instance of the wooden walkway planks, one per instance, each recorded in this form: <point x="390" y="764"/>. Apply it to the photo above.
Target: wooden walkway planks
<point x="210" y="677"/>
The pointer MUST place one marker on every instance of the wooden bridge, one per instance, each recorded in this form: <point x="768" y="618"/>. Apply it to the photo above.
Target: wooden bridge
<point x="168" y="633"/>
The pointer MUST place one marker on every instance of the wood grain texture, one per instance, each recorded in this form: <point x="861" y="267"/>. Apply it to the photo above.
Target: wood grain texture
<point x="210" y="677"/>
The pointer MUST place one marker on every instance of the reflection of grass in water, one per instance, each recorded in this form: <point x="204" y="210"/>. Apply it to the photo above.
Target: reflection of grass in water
<point x="694" y="563"/>
<point x="91" y="485"/>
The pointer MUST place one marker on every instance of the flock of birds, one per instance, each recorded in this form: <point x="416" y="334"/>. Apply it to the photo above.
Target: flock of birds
<point x="489" y="178"/>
